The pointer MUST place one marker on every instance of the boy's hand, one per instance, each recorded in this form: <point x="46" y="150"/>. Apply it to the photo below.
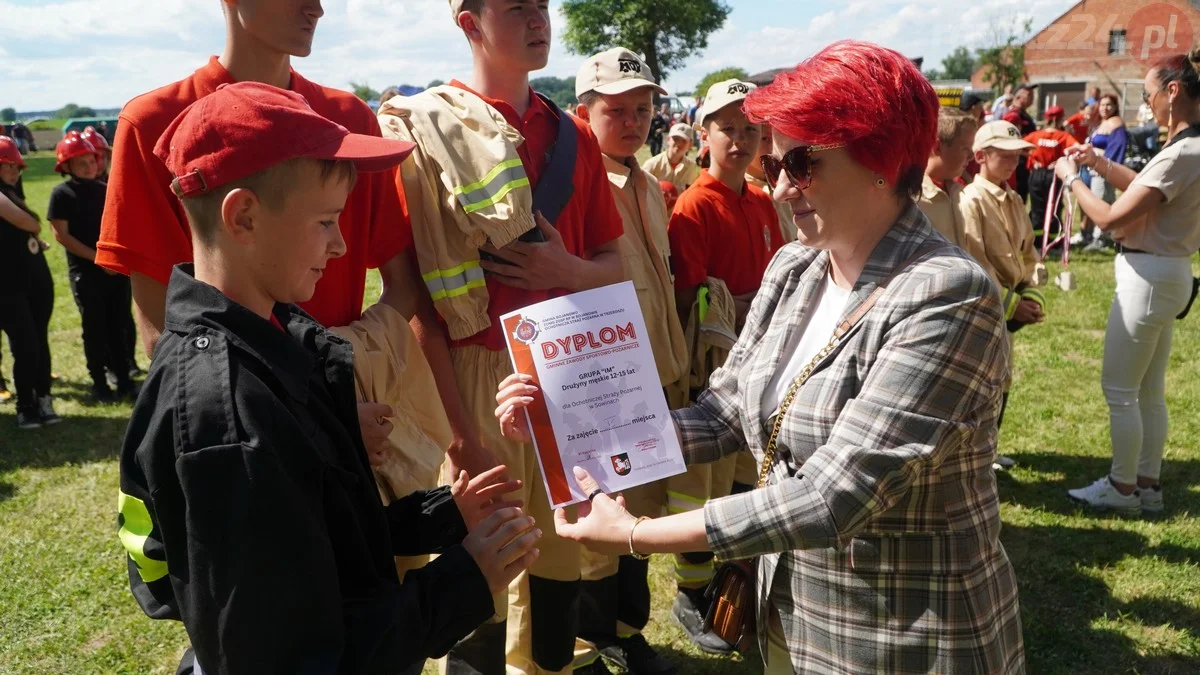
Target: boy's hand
<point x="481" y="496"/>
<point x="503" y="546"/>
<point x="1028" y="312"/>
<point x="535" y="265"/>
<point x="372" y="420"/>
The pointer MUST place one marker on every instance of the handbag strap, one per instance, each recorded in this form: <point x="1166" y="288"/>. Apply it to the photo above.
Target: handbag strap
<point x="842" y="329"/>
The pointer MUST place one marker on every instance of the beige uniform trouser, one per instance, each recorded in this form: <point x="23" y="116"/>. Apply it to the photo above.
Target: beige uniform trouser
<point x="479" y="372"/>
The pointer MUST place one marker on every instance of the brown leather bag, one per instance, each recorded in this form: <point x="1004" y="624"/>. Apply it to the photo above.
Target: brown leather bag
<point x="733" y="603"/>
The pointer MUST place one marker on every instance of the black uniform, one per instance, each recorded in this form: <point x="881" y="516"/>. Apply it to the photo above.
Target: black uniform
<point x="26" y="302"/>
<point x="103" y="299"/>
<point x="249" y="510"/>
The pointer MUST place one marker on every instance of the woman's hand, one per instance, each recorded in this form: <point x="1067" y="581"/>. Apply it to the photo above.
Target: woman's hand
<point x="481" y="496"/>
<point x="514" y="395"/>
<point x="603" y="524"/>
<point x="1065" y="167"/>
<point x="1084" y="155"/>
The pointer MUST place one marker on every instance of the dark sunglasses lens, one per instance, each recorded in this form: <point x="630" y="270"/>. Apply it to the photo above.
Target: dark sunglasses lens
<point x="795" y="162"/>
<point x="771" y="167"/>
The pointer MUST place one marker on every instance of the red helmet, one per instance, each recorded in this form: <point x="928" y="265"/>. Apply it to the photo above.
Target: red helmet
<point x="97" y="139"/>
<point x="71" y="146"/>
<point x="9" y="154"/>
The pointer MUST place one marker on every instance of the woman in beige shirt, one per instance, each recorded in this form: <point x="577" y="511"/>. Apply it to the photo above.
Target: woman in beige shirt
<point x="1157" y="222"/>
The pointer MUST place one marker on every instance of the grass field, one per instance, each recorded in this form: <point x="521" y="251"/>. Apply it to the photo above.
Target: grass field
<point x="1099" y="595"/>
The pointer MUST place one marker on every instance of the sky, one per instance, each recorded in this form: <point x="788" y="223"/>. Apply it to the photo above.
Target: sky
<point x="101" y="53"/>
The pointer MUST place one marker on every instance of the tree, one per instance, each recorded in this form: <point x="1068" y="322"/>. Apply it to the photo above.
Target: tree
<point x="959" y="64"/>
<point x="8" y="115"/>
<point x="718" y="76"/>
<point x="435" y="83"/>
<point x="665" y="32"/>
<point x="71" y="110"/>
<point x="1003" y="63"/>
<point x="364" y="91"/>
<point x="561" y="90"/>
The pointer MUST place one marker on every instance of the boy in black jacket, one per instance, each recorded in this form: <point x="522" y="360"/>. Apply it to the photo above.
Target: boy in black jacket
<point x="247" y="506"/>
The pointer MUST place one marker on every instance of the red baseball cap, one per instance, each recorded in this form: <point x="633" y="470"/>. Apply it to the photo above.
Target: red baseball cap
<point x="248" y="127"/>
<point x="1054" y="111"/>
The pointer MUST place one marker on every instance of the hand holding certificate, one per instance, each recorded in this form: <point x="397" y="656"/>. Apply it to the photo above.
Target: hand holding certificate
<point x="590" y="392"/>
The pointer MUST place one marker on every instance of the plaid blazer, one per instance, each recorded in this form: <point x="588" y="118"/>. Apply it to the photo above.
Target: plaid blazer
<point x="879" y="529"/>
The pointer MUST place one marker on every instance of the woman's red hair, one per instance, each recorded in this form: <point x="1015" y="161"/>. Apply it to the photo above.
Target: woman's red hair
<point x="871" y="99"/>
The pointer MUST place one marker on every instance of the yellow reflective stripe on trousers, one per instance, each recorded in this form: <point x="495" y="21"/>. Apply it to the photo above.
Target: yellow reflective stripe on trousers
<point x="503" y="179"/>
<point x="135" y="530"/>
<point x="455" y="281"/>
<point x="677" y="502"/>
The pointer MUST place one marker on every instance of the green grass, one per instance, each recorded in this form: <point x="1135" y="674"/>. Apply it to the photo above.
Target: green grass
<point x="1099" y="595"/>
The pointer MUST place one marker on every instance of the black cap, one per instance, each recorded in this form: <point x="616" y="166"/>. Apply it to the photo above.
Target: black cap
<point x="969" y="101"/>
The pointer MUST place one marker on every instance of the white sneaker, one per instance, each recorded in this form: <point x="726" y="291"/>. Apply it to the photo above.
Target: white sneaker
<point x="1103" y="495"/>
<point x="1152" y="500"/>
<point x="1077" y="239"/>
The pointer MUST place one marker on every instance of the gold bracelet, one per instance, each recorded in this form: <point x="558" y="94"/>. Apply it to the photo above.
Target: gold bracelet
<point x="632" y="552"/>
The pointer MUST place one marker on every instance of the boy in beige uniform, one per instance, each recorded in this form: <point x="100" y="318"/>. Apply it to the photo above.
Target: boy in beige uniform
<point x="673" y="163"/>
<point x="615" y="90"/>
<point x="941" y="193"/>
<point x="998" y="231"/>
<point x="787" y="227"/>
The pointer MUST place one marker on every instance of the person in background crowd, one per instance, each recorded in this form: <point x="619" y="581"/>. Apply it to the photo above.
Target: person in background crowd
<point x="1080" y="124"/>
<point x="1049" y="145"/>
<point x="940" y="189"/>
<point x="1093" y="97"/>
<point x="1157" y="222"/>
<point x="1018" y="116"/>
<point x="26" y="295"/>
<point x="659" y="123"/>
<point x="1109" y="139"/>
<point x="974" y="105"/>
<point x="787" y="228"/>
<point x="1001" y="104"/>
<point x="76" y="209"/>
<point x="673" y="164"/>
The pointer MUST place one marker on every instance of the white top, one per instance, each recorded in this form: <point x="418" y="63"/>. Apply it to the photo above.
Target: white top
<point x="1173" y="227"/>
<point x="808" y="339"/>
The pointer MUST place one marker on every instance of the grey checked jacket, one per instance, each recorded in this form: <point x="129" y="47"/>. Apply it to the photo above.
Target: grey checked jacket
<point x="879" y="529"/>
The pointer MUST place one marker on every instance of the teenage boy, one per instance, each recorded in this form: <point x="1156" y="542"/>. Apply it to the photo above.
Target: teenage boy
<point x="755" y="177"/>
<point x="722" y="228"/>
<point x="940" y="190"/>
<point x="673" y="164"/>
<point x="510" y="208"/>
<point x="247" y="506"/>
<point x="616" y="90"/>
<point x="998" y="232"/>
<point x="145" y="232"/>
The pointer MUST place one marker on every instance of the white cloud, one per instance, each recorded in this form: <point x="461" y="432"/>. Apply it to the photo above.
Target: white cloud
<point x="116" y="49"/>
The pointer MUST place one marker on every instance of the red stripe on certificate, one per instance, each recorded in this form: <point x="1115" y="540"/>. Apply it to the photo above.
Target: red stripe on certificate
<point x="539" y="418"/>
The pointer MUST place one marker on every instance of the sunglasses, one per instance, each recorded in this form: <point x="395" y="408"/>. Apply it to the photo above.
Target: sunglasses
<point x="796" y="164"/>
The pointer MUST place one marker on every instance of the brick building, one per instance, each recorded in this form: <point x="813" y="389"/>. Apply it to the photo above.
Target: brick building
<point x="1106" y="44"/>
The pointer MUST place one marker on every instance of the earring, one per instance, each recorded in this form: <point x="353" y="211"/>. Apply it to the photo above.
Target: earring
<point x="880" y="182"/>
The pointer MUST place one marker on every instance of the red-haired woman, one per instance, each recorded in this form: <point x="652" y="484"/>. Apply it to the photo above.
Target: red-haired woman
<point x="867" y="384"/>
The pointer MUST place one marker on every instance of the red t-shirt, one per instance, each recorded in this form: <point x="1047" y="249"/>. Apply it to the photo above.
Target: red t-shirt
<point x="1050" y="145"/>
<point x="144" y="228"/>
<point x="715" y="232"/>
<point x="1078" y="127"/>
<point x="589" y="220"/>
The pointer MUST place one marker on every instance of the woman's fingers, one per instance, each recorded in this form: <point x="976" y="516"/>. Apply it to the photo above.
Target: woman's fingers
<point x="509" y="390"/>
<point x="585" y="480"/>
<point x="512" y="405"/>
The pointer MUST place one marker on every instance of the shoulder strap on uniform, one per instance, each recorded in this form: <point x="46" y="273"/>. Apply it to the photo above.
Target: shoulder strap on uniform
<point x="557" y="183"/>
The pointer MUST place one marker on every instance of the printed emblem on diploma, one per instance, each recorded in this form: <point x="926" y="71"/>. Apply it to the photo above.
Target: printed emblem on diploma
<point x="599" y="404"/>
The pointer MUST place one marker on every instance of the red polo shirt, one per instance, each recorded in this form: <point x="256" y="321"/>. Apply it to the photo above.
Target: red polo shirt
<point x="1049" y="146"/>
<point x="1078" y="126"/>
<point x="716" y="232"/>
<point x="144" y="228"/>
<point x="589" y="220"/>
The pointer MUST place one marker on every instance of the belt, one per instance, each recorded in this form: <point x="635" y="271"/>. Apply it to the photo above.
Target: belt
<point x="1121" y="248"/>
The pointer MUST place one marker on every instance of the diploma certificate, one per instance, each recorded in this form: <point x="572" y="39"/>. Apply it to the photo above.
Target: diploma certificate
<point x="600" y="405"/>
